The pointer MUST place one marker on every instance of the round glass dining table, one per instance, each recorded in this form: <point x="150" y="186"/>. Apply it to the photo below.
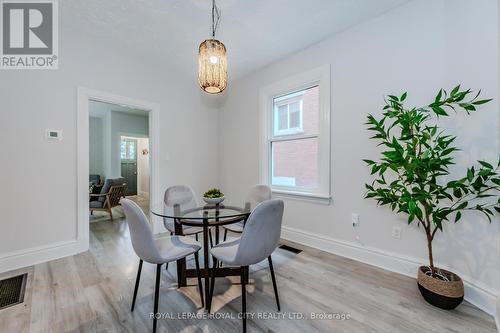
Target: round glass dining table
<point x="211" y="214"/>
<point x="206" y="217"/>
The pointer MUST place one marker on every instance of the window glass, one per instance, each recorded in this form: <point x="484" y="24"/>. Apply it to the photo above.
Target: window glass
<point x="283" y="117"/>
<point x="128" y="149"/>
<point x="295" y="163"/>
<point x="295" y="150"/>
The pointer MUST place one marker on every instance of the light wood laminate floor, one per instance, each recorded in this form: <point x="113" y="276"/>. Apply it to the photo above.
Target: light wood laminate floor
<point x="91" y="292"/>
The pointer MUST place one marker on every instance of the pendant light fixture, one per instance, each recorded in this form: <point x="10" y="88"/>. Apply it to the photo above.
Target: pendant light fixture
<point x="212" y="60"/>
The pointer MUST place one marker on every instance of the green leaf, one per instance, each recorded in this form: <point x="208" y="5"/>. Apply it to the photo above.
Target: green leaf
<point x="403" y="97"/>
<point x="485" y="164"/>
<point x="411" y="206"/>
<point x="458" y="216"/>
<point x="439" y="111"/>
<point x="438" y="96"/>
<point x="470" y="174"/>
<point x="482" y="101"/>
<point x="375" y="168"/>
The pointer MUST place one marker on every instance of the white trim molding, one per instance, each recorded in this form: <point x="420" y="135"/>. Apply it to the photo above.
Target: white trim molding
<point x="312" y="198"/>
<point x="36" y="255"/>
<point x="84" y="95"/>
<point x="320" y="77"/>
<point x="480" y="296"/>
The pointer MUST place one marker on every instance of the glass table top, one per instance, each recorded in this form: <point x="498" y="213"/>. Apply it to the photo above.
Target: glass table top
<point x="223" y="210"/>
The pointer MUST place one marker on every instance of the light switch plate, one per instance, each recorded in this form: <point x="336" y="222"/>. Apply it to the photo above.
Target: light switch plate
<point x="53" y="134"/>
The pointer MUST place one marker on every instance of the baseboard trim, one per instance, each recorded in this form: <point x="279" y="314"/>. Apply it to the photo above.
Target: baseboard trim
<point x="480" y="296"/>
<point x="36" y="255"/>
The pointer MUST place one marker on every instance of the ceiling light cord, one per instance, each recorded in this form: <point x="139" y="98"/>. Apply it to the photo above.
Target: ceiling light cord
<point x="215" y="18"/>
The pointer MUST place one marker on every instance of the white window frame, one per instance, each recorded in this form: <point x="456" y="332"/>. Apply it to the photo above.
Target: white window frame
<point x="317" y="77"/>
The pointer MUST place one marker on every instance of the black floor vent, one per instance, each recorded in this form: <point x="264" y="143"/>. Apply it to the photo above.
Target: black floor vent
<point x="289" y="248"/>
<point x="12" y="290"/>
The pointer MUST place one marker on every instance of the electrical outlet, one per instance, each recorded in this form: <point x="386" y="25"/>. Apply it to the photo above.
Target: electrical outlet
<point x="355" y="219"/>
<point x="396" y="232"/>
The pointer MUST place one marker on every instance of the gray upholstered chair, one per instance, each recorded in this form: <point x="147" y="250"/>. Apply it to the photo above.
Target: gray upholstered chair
<point x="111" y="193"/>
<point x="156" y="251"/>
<point x="183" y="196"/>
<point x="258" y="240"/>
<point x="257" y="194"/>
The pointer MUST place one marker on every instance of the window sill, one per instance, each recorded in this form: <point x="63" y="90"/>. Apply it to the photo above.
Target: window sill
<point x="305" y="197"/>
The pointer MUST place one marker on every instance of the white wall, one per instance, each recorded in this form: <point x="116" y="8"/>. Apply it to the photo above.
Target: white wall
<point x="419" y="47"/>
<point x="96" y="144"/>
<point x="42" y="175"/>
<point x="143" y="170"/>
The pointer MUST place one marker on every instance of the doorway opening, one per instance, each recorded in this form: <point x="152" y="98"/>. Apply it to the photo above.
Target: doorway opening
<point x="85" y="97"/>
<point x="118" y="158"/>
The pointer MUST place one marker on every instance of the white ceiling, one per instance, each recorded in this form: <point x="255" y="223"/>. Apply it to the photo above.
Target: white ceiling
<point x="256" y="32"/>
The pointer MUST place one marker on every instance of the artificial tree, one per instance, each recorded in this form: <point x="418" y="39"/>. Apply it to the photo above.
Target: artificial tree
<point x="411" y="175"/>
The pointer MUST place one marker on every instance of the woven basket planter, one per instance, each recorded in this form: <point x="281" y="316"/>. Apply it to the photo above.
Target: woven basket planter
<point x="443" y="294"/>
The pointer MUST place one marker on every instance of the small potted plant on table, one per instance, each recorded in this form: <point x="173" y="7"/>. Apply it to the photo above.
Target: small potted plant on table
<point x="213" y="196"/>
<point x="412" y="178"/>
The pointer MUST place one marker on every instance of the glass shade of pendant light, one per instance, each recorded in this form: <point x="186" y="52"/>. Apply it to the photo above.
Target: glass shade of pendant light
<point x="212" y="60"/>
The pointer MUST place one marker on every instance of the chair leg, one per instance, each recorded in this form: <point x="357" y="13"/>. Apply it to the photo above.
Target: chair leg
<point x="166" y="266"/>
<point x="273" y="277"/>
<point x="210" y="235"/>
<point x="212" y="283"/>
<point x="157" y="296"/>
<point x="196" y="237"/>
<point x="111" y="214"/>
<point x="225" y="234"/>
<point x="198" y="275"/>
<point x="244" y="298"/>
<point x="137" y="279"/>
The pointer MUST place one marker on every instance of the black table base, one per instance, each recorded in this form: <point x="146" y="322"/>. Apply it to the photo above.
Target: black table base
<point x="183" y="273"/>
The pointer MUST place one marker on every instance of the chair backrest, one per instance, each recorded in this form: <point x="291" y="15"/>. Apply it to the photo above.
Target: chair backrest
<point x="261" y="234"/>
<point x="116" y="192"/>
<point x="181" y="195"/>
<point x="107" y="185"/>
<point x="140" y="232"/>
<point x="258" y="194"/>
